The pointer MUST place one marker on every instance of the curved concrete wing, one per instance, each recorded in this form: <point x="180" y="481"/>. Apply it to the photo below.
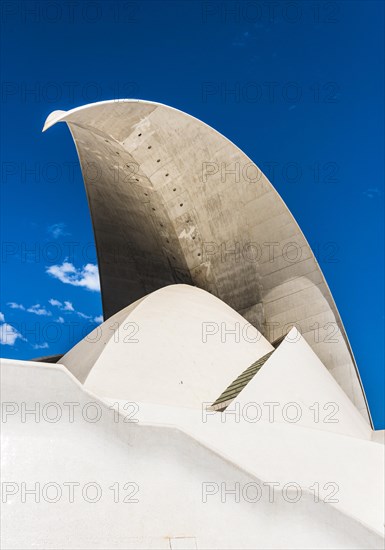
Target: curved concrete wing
<point x="174" y="201"/>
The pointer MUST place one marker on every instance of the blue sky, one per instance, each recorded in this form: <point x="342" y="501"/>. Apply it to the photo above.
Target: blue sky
<point x="297" y="85"/>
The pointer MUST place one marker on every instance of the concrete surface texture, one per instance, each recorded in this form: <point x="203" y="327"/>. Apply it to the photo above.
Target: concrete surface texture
<point x="80" y="472"/>
<point x="178" y="346"/>
<point x="141" y="461"/>
<point x="173" y="201"/>
<point x="118" y="445"/>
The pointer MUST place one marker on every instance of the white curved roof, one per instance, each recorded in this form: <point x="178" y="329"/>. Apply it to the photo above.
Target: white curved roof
<point x="178" y="346"/>
<point x="174" y="201"/>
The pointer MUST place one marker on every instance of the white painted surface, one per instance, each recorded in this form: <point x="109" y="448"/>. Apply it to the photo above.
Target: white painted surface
<point x="378" y="436"/>
<point x="171" y="348"/>
<point x="295" y="377"/>
<point x="197" y="210"/>
<point x="169" y="463"/>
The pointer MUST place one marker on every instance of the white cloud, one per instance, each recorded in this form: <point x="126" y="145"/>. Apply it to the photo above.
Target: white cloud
<point x="98" y="319"/>
<point x="57" y="230"/>
<point x="41" y="346"/>
<point x="9" y="335"/>
<point x="13" y="305"/>
<point x="83" y="315"/>
<point x="55" y="303"/>
<point x="372" y="193"/>
<point x="60" y="320"/>
<point x="67" y="307"/>
<point x="38" y="310"/>
<point x="2" y="319"/>
<point x="87" y="276"/>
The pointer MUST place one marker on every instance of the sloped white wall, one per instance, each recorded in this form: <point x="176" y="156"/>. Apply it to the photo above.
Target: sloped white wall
<point x="294" y="374"/>
<point x="168" y="467"/>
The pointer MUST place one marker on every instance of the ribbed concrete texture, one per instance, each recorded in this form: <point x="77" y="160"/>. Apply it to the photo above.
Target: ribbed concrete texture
<point x="173" y="201"/>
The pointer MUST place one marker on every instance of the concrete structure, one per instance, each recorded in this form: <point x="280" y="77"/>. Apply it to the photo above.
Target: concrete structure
<point x="180" y="422"/>
<point x="168" y="348"/>
<point x="120" y="473"/>
<point x="173" y="201"/>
